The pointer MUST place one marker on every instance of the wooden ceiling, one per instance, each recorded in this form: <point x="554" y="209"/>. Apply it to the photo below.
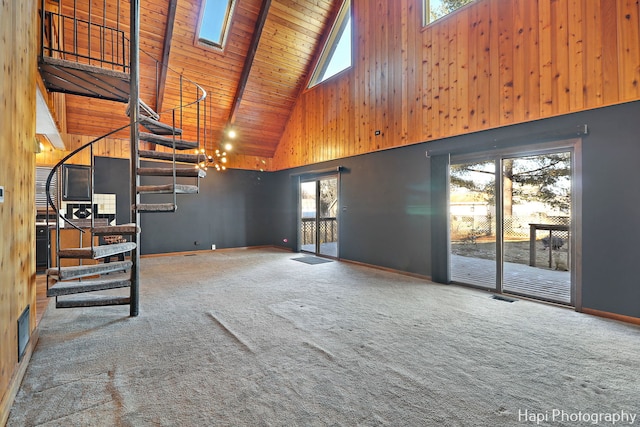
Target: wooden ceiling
<point x="254" y="96"/>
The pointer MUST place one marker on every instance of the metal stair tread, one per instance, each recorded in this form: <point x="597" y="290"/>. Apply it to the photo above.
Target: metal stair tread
<point x="78" y="271"/>
<point x="168" y="188"/>
<point x="182" y="172"/>
<point x="156" y="207"/>
<point x="90" y="285"/>
<point x="158" y="128"/>
<point x="168" y="156"/>
<point x="168" y="141"/>
<point x="116" y="229"/>
<point x="91" y="301"/>
<point x="96" y="252"/>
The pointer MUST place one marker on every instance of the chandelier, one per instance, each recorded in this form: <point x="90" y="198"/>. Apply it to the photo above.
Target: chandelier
<point x="216" y="160"/>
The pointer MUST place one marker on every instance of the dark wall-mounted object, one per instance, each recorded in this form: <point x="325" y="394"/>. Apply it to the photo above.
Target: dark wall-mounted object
<point x="23" y="333"/>
<point x="76" y="183"/>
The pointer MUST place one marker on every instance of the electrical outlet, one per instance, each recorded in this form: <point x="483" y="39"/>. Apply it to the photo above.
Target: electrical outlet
<point x="1" y="194"/>
<point x="213" y="247"/>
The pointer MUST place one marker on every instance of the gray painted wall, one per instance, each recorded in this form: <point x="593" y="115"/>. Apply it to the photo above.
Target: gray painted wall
<point x="392" y="212"/>
<point x="611" y="210"/>
<point x="384" y="208"/>
<point x="396" y="217"/>
<point x="231" y="210"/>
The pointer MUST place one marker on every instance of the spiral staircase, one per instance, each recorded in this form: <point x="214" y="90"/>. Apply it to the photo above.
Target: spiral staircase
<point x="85" y="276"/>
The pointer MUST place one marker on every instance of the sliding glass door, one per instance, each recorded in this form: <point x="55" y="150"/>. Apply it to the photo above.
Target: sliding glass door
<point x="318" y="216"/>
<point x="472" y="208"/>
<point x="536" y="226"/>
<point x="510" y="218"/>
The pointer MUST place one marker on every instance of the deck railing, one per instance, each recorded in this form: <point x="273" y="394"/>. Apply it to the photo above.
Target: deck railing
<point x="327" y="230"/>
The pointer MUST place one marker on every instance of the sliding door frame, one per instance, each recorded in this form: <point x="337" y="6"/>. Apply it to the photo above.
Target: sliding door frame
<point x="316" y="177"/>
<point x="574" y="146"/>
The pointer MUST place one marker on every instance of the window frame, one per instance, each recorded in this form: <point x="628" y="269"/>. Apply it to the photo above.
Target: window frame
<point x="226" y="24"/>
<point x="335" y="35"/>
<point x="426" y="12"/>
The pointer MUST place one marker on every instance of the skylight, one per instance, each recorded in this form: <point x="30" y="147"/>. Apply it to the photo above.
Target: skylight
<point x="214" y="20"/>
<point x="336" y="55"/>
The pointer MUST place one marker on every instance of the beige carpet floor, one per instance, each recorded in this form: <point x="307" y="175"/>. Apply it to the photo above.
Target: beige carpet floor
<point x="253" y="338"/>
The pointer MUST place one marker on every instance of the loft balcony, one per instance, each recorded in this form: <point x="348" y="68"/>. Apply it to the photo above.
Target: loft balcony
<point x="83" y="58"/>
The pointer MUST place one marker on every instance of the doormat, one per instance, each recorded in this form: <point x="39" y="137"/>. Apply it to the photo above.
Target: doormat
<point x="311" y="260"/>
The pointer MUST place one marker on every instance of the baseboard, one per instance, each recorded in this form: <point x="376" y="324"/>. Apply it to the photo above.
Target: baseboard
<point x="207" y="251"/>
<point x="613" y="316"/>
<point x="390" y="270"/>
<point x="16" y="379"/>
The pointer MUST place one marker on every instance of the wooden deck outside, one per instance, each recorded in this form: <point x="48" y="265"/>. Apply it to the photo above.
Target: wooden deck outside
<point x="548" y="285"/>
<point x="328" y="249"/>
<point x="519" y="279"/>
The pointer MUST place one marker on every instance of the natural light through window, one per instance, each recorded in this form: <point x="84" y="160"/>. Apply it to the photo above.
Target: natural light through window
<point x="336" y="55"/>
<point x="436" y="9"/>
<point x="214" y="21"/>
<point x="341" y="58"/>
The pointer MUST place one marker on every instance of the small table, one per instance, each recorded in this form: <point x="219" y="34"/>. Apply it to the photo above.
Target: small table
<point x="532" y="240"/>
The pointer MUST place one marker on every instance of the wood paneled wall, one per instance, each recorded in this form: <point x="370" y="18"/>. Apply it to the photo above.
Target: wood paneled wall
<point x="109" y="147"/>
<point x="18" y="37"/>
<point x="492" y="63"/>
<point x="120" y="148"/>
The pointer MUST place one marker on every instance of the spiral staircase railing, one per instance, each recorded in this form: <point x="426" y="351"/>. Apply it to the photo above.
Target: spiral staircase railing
<point x="112" y="54"/>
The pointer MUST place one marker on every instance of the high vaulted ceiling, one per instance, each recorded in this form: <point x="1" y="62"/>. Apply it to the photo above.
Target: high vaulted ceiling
<point x="254" y="96"/>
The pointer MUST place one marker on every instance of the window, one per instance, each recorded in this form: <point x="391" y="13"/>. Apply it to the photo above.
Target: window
<point x="42" y="173"/>
<point x="436" y="9"/>
<point x="336" y="55"/>
<point x="214" y="21"/>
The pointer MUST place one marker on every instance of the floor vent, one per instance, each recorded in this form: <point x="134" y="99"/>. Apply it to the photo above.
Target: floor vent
<point x="503" y="298"/>
<point x="23" y="333"/>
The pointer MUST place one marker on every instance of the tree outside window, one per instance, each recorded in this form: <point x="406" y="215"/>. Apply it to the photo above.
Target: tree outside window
<point x="436" y="9"/>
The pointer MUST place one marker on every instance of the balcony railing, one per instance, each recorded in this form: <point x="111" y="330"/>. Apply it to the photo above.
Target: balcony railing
<point x="327" y="232"/>
<point x="85" y="42"/>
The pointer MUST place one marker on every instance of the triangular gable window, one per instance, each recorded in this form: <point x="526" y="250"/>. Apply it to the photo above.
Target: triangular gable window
<point x="336" y="55"/>
<point x="214" y="21"/>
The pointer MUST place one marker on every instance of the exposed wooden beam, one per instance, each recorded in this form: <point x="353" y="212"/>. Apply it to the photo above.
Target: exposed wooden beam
<point x="248" y="61"/>
<point x="168" y="35"/>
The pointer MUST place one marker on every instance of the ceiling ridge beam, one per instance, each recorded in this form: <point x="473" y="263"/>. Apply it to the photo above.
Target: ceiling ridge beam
<point x="248" y="61"/>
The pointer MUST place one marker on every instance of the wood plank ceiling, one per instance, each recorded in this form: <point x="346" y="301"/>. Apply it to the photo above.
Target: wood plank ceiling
<point x="291" y="38"/>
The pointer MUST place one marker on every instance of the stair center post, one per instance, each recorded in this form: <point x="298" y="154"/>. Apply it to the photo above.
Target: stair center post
<point x="134" y="97"/>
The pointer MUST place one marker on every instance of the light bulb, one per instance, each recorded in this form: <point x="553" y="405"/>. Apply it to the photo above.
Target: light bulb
<point x="232" y="133"/>
<point x="228" y="146"/>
